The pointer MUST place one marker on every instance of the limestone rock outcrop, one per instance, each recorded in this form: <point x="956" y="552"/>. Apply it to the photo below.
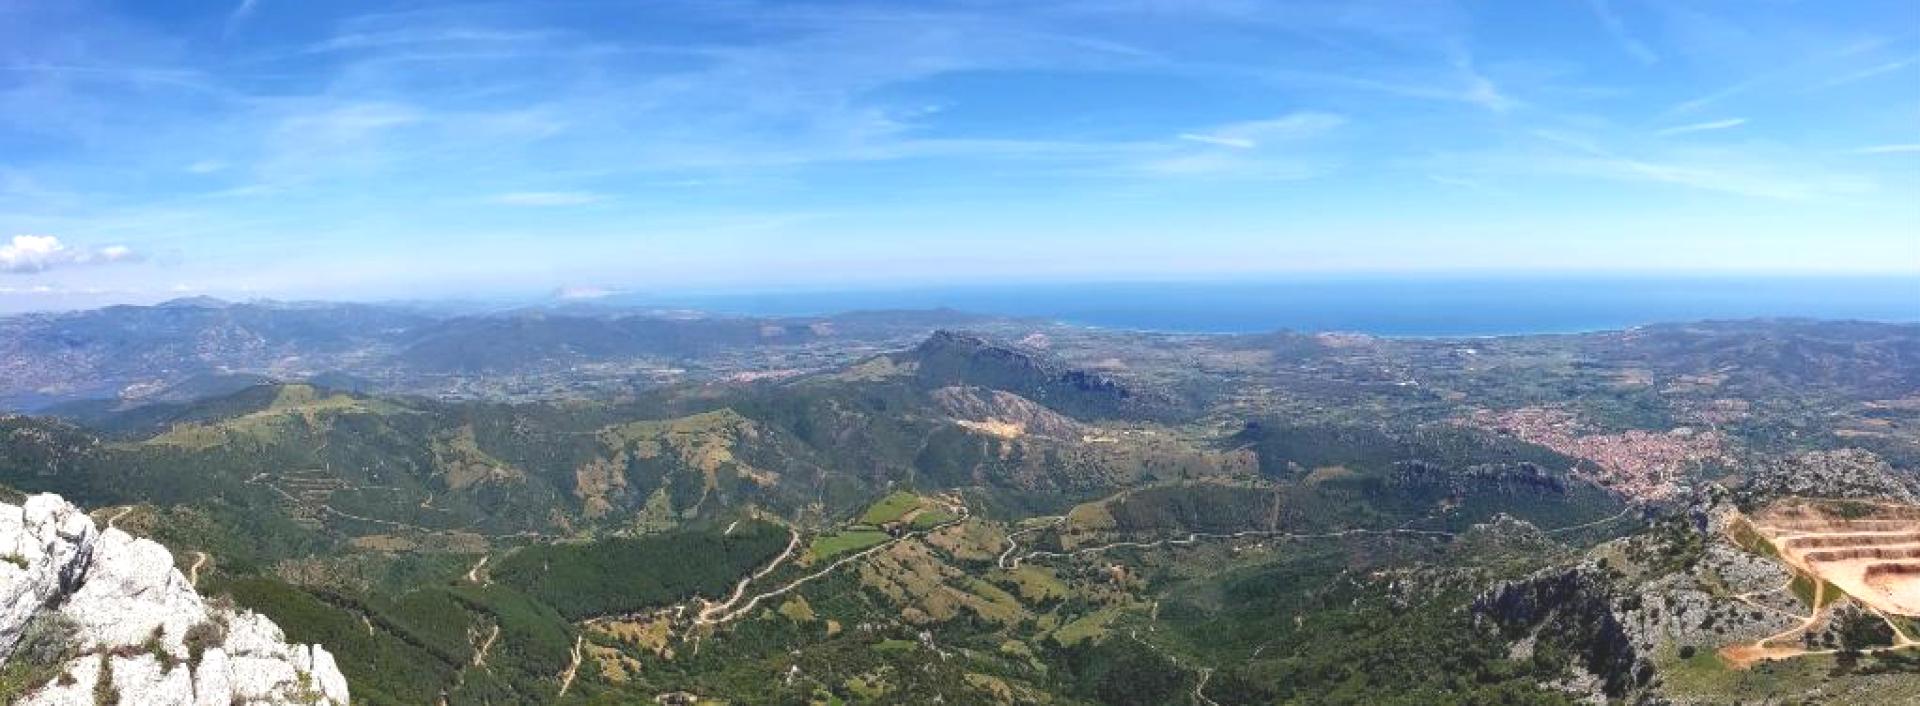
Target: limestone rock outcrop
<point x="1576" y="605"/>
<point x="104" y="605"/>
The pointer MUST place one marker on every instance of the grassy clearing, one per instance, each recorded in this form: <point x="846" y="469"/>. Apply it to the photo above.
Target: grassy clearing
<point x="890" y="508"/>
<point x="828" y="546"/>
<point x="1803" y="587"/>
<point x="797" y="610"/>
<point x="1089" y="517"/>
<point x="1908" y="626"/>
<point x="1091" y="626"/>
<point x="294" y="408"/>
<point x="1746" y="537"/>
<point x="992" y="603"/>
<point x="1035" y="583"/>
<point x="1330" y="474"/>
<point x="1707" y="676"/>
<point x="932" y="517"/>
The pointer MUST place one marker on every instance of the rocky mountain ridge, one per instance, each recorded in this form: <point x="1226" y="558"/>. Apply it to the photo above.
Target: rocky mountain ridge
<point x="90" y="616"/>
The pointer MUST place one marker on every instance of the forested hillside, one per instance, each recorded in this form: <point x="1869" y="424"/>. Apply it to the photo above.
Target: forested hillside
<point x="1075" y="518"/>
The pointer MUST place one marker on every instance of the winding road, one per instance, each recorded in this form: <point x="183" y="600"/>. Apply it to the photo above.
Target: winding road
<point x="708" y="617"/>
<point x="193" y="572"/>
<point x="566" y="680"/>
<point x="1194" y="537"/>
<point x="1601" y="521"/>
<point x="1199" y="690"/>
<point x="1206" y="673"/>
<point x="1007" y="559"/>
<point x="740" y="589"/>
<point x="1013" y="546"/>
<point x="480" y="655"/>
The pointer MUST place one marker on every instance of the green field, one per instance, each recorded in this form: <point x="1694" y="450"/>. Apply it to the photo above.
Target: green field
<point x="890" y="508"/>
<point x="1092" y="626"/>
<point x="827" y="546"/>
<point x="933" y="517"/>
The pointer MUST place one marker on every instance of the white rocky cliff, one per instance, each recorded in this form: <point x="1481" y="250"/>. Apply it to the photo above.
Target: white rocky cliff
<point x="101" y="616"/>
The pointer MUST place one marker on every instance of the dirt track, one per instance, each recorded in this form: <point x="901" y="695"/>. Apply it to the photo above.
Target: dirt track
<point x="709" y="616"/>
<point x="1873" y="559"/>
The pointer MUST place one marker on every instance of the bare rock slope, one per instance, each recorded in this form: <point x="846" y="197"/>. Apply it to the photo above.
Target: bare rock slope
<point x="102" y="612"/>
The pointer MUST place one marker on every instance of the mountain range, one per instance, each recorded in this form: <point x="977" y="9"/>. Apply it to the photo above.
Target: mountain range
<point x="898" y="507"/>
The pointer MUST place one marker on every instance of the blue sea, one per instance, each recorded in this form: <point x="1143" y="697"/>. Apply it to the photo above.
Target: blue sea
<point x="1387" y="306"/>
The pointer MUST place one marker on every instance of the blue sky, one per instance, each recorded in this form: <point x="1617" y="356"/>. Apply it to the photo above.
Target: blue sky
<point x="370" y="150"/>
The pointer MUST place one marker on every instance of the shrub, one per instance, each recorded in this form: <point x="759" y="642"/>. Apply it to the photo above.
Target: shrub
<point x="202" y="636"/>
<point x="45" y="645"/>
<point x="104" y="693"/>
<point x="156" y="645"/>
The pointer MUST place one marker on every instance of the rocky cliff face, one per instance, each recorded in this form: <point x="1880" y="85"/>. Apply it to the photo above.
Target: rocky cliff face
<point x="86" y="615"/>
<point x="1573" y="605"/>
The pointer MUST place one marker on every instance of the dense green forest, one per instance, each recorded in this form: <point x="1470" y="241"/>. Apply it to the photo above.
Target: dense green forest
<point x="623" y="574"/>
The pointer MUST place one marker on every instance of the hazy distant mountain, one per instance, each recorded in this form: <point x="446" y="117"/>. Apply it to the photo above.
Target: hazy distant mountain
<point x="182" y="348"/>
<point x="137" y="351"/>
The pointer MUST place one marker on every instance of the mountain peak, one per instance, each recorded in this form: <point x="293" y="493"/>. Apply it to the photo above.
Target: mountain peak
<point x="199" y="302"/>
<point x="949" y="338"/>
<point x="951" y="358"/>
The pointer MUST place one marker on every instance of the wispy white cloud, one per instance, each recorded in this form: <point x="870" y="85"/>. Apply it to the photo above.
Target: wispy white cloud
<point x="382" y="133"/>
<point x="243" y="10"/>
<point x="548" y="198"/>
<point x="1225" y="165"/>
<point x="1875" y="70"/>
<point x="350" y="121"/>
<point x="1219" y="140"/>
<point x="1694" y="104"/>
<point x="417" y="36"/>
<point x="1268" y="149"/>
<point x="1476" y="185"/>
<point x="239" y="15"/>
<point x="1481" y="90"/>
<point x="1703" y="127"/>
<point x="39" y="253"/>
<point x="1458" y="82"/>
<point x="1254" y="133"/>
<point x="1736" y="173"/>
<point x="1618" y="31"/>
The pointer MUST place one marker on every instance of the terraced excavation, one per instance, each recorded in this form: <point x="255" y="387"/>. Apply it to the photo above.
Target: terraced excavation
<point x="1869" y="550"/>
